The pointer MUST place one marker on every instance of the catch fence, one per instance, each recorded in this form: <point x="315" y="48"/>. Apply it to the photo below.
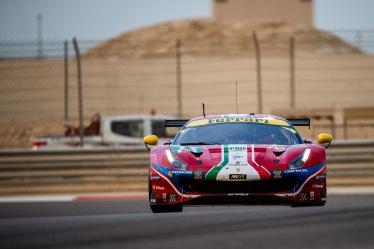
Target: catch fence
<point x="122" y="77"/>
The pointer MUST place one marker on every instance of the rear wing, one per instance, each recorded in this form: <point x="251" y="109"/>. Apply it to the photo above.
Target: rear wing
<point x="182" y="122"/>
<point x="175" y="122"/>
<point x="300" y="122"/>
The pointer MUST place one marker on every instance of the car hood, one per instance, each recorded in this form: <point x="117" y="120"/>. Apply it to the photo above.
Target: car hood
<point x="260" y="157"/>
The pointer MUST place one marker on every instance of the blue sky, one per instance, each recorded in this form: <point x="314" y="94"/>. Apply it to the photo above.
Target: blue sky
<point x="99" y="19"/>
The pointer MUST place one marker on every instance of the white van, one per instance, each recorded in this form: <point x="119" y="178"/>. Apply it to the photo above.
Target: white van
<point x="114" y="131"/>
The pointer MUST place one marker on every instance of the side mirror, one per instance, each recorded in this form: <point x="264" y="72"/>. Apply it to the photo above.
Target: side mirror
<point x="150" y="140"/>
<point x="308" y="141"/>
<point x="324" y="139"/>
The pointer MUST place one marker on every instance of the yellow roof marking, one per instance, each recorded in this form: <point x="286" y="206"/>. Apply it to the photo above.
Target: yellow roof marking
<point x="270" y="121"/>
<point x="198" y="122"/>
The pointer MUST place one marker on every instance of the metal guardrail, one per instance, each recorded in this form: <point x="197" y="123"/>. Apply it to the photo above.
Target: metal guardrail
<point x="68" y="171"/>
<point x="350" y="163"/>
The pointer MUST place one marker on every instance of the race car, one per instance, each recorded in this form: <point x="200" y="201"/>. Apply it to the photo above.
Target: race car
<point x="237" y="159"/>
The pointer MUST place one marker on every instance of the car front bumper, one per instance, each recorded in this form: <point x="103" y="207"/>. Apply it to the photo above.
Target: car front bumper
<point x="306" y="185"/>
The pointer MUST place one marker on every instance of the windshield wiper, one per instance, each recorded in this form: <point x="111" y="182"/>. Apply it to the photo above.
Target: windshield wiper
<point x="199" y="143"/>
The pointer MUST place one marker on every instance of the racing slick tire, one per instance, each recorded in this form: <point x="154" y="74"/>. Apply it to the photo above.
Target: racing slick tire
<point x="162" y="208"/>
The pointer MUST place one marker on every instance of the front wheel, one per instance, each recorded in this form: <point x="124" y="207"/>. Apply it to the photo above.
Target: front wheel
<point x="162" y="208"/>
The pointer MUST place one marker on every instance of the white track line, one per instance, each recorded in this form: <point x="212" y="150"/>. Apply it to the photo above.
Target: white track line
<point x="78" y="197"/>
<point x="349" y="190"/>
<point x="63" y="198"/>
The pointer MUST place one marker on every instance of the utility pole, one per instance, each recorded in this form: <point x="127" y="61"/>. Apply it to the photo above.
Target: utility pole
<point x="80" y="94"/>
<point x="66" y="80"/>
<point x="39" y="33"/>
<point x="179" y="77"/>
<point x="292" y="72"/>
<point x="236" y="97"/>
<point x="259" y="76"/>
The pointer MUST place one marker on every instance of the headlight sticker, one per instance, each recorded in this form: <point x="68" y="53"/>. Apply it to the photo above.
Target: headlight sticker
<point x="175" y="161"/>
<point x="300" y="160"/>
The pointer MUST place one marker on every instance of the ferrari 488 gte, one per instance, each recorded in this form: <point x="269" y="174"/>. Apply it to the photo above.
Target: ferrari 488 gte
<point x="237" y="159"/>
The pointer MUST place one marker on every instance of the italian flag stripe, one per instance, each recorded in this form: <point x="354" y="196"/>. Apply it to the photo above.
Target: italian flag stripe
<point x="212" y="174"/>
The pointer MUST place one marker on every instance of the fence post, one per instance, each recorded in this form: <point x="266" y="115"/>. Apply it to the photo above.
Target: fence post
<point x="259" y="76"/>
<point x="66" y="80"/>
<point x="179" y="77"/>
<point x="80" y="94"/>
<point x="292" y="72"/>
<point x="333" y="128"/>
<point x="345" y="128"/>
<point x="39" y="31"/>
<point x="358" y="35"/>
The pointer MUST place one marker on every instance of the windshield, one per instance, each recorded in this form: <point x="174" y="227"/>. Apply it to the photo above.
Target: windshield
<point x="238" y="133"/>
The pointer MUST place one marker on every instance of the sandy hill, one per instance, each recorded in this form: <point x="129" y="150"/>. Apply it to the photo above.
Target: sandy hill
<point x="202" y="37"/>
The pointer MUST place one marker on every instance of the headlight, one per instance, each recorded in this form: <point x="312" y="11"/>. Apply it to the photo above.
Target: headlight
<point x="299" y="161"/>
<point x="175" y="161"/>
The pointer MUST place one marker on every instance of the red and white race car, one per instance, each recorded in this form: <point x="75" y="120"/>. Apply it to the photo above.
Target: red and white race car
<point x="237" y="159"/>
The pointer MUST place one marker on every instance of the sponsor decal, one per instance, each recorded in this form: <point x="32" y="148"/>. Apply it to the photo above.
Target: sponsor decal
<point x="155" y="177"/>
<point x="311" y="195"/>
<point x="237" y="163"/>
<point x="238" y="148"/>
<point x="234" y="160"/>
<point x="277" y="174"/>
<point x="247" y="119"/>
<point x="238" y="194"/>
<point x="177" y="173"/>
<point x="236" y="157"/>
<point x="322" y="176"/>
<point x="158" y="187"/>
<point x="296" y="171"/>
<point x="172" y="197"/>
<point x="303" y="196"/>
<point x="269" y="121"/>
<point x="318" y="186"/>
<point x="164" y="196"/>
<point x="237" y="176"/>
<point x="153" y="197"/>
<point x="198" y="174"/>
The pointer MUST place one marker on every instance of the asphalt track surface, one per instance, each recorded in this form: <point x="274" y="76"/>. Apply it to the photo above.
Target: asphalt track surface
<point x="347" y="221"/>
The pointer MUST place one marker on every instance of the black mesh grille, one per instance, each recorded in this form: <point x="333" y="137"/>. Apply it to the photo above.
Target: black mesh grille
<point x="218" y="187"/>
